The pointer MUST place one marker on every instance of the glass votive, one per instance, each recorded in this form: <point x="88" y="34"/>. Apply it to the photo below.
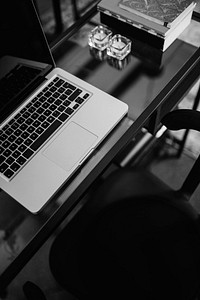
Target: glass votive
<point x="119" y="64"/>
<point x="100" y="55"/>
<point x="99" y="37"/>
<point x="119" y="47"/>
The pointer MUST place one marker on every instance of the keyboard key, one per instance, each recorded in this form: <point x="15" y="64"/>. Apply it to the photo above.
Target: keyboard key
<point x="20" y="120"/>
<point x="53" y="107"/>
<point x="2" y="159"/>
<point x="56" y="113"/>
<point x="18" y="132"/>
<point x="68" y="92"/>
<point x="47" y="112"/>
<point x="19" y="141"/>
<point x="8" y="173"/>
<point x="7" y="152"/>
<point x="56" y="95"/>
<point x="5" y="127"/>
<point x="23" y="127"/>
<point x="56" y="79"/>
<point x="15" y="167"/>
<point x="34" y="116"/>
<point x="13" y="147"/>
<point x="63" y="117"/>
<point x="45" y="105"/>
<point x="40" y="110"/>
<point x="31" y="110"/>
<point x="39" y="130"/>
<point x="31" y="129"/>
<point x="47" y="94"/>
<point x="12" y="138"/>
<point x="86" y="96"/>
<point x="14" y="126"/>
<point x="26" y="115"/>
<point x="21" y="160"/>
<point x="36" y="124"/>
<point x="9" y="131"/>
<point x="66" y="103"/>
<point x="3" y="137"/>
<point x="69" y="111"/>
<point x="75" y="106"/>
<point x="70" y="86"/>
<point x="28" y="142"/>
<point x="79" y="100"/>
<point x="75" y="95"/>
<point x="59" y="83"/>
<point x="63" y="97"/>
<point x="57" y="102"/>
<point x="25" y="135"/>
<point x="53" y="89"/>
<point x="41" y="118"/>
<point x="61" y="90"/>
<point x="61" y="108"/>
<point x="5" y="144"/>
<point x="37" y="104"/>
<point x="3" y="167"/>
<point x="34" y="136"/>
<point x="22" y="148"/>
<point x="29" y="121"/>
<point x="45" y="124"/>
<point x="28" y="153"/>
<point x="50" y="119"/>
<point x="50" y="100"/>
<point x="10" y="160"/>
<point x="45" y="135"/>
<point x="42" y="99"/>
<point x="16" y="154"/>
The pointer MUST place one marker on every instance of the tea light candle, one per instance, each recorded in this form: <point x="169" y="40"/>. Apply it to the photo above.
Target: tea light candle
<point x="118" y="44"/>
<point x="119" y="47"/>
<point x="99" y="35"/>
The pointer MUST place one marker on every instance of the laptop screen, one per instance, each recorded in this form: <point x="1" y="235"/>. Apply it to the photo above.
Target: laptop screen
<point x="24" y="54"/>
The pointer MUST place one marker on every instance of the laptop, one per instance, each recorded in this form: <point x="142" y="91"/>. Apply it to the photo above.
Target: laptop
<point x="50" y="120"/>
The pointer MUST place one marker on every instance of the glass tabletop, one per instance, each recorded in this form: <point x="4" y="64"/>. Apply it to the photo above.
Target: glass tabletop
<point x="149" y="81"/>
<point x="136" y="80"/>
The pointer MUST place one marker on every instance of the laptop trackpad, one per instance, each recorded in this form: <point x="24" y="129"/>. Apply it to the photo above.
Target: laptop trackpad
<point x="70" y="146"/>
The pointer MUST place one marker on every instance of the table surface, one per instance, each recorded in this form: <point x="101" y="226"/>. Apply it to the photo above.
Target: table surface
<point x="150" y="82"/>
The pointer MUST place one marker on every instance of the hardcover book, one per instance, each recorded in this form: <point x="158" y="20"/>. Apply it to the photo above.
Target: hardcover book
<point x="139" y="28"/>
<point x="162" y="12"/>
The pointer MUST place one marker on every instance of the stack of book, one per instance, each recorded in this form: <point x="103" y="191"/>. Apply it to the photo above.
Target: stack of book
<point x="155" y="22"/>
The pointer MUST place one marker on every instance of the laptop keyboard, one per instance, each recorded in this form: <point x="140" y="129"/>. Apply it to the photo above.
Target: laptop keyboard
<point x="23" y="136"/>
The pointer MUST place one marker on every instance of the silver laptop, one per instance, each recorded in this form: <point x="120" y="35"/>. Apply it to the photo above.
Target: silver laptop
<point x="50" y="120"/>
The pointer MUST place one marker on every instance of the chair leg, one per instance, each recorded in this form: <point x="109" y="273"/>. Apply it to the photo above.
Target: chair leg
<point x="33" y="292"/>
<point x="195" y="106"/>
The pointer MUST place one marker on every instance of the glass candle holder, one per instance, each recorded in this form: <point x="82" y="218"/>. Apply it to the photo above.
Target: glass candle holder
<point x="99" y="37"/>
<point x="119" y="47"/>
<point x="119" y="64"/>
<point x="100" y="55"/>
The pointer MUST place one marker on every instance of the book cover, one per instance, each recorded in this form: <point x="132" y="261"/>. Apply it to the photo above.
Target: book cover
<point x="112" y="8"/>
<point x="142" y="34"/>
<point x="160" y="11"/>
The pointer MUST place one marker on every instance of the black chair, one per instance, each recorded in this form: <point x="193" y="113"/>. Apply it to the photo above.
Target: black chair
<point x="136" y="238"/>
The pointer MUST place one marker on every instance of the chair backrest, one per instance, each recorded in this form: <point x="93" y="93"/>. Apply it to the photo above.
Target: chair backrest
<point x="142" y="248"/>
<point x="186" y="119"/>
